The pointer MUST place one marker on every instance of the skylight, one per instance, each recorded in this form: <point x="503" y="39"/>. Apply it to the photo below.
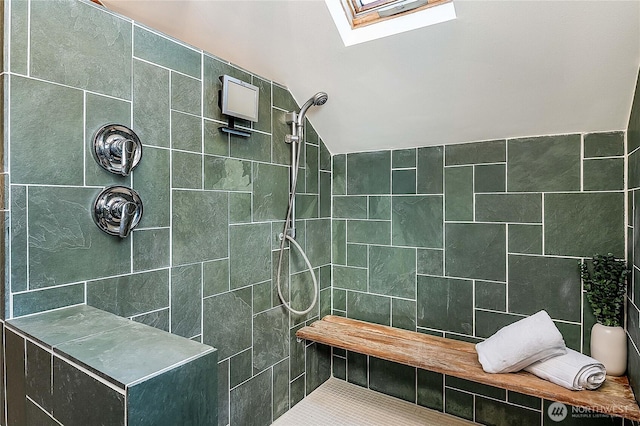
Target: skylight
<point x="359" y="21"/>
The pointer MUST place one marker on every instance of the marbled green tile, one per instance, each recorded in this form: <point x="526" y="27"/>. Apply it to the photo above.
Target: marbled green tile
<point x="350" y="207"/>
<point x="77" y="241"/>
<point x="216" y="277"/>
<point x="571" y="333"/>
<point x="17" y="48"/>
<point x="186" y="132"/>
<point x="475" y="387"/>
<point x="270" y="338"/>
<point x="562" y="300"/>
<point x="393" y="271"/>
<point x="545" y="163"/>
<point x="99" y="111"/>
<point x="61" y="112"/>
<point x="186" y="300"/>
<point x="525" y="239"/>
<point x="357" y="255"/>
<point x="430" y="170"/>
<point x="280" y="388"/>
<point x="339" y="368"/>
<point x="257" y="147"/>
<point x="264" y="105"/>
<point x="603" y="174"/>
<point x="44" y="300"/>
<point x="325" y="194"/>
<point x="430" y="261"/>
<point x="38" y="375"/>
<point x="430" y="389"/>
<point x="296" y="391"/>
<point x="194" y="381"/>
<point x="157" y="319"/>
<point x="192" y="242"/>
<point x="339" y="299"/>
<point x="310" y="134"/>
<point x="306" y="206"/>
<point x="227" y="322"/>
<point x="302" y="296"/>
<point x="262" y="295"/>
<point x="319" y="242"/>
<point x="489" y="411"/>
<point x="152" y="182"/>
<point x="325" y="157"/>
<point x="36" y="416"/>
<point x="75" y="394"/>
<point x="458" y="191"/>
<point x="281" y="149"/>
<point x="19" y="238"/>
<point x="404" y="181"/>
<point x="487" y="323"/>
<point x="633" y="180"/>
<point x="163" y="51"/>
<point x="369" y="307"/>
<point x="339" y="242"/>
<point x="520" y="208"/>
<point x="403" y="314"/>
<point x="606" y="144"/>
<point x="475" y="153"/>
<point x="475" y="250"/>
<point x="490" y="295"/>
<point x="250" y="254"/>
<point x="357" y="369"/>
<point x="296" y="353"/>
<point x="270" y="191"/>
<point x="14" y="358"/>
<point x="240" y="368"/>
<point x="393" y="379"/>
<point x="150" y="249"/>
<point x="151" y="103"/>
<point x="379" y="207"/>
<point x="239" y="207"/>
<point x="216" y="142"/>
<point x="251" y="401"/>
<point x="186" y="93"/>
<point x="213" y="68"/>
<point x="599" y="230"/>
<point x="369" y="172"/>
<point x="445" y="304"/>
<point x="130" y="295"/>
<point x="459" y="404"/>
<point x="417" y="221"/>
<point x="227" y="174"/>
<point x="339" y="174"/>
<point x="369" y="231"/>
<point x="350" y="278"/>
<point x="186" y="170"/>
<point x="524" y="400"/>
<point x="402" y="158"/>
<point x="311" y="169"/>
<point x="77" y="37"/>
<point x="490" y="178"/>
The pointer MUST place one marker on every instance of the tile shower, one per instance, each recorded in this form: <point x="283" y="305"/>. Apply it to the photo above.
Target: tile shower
<point x="456" y="240"/>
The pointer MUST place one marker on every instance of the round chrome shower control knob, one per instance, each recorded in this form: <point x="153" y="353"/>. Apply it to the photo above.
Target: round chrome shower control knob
<point x="117" y="149"/>
<point x="117" y="210"/>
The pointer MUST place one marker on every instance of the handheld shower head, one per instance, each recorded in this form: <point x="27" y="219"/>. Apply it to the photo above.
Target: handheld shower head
<point x="318" y="99"/>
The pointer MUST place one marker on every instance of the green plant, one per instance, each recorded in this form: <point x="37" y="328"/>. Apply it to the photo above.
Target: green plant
<point x="605" y="284"/>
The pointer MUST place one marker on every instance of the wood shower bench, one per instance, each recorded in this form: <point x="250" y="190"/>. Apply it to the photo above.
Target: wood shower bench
<point x="459" y="359"/>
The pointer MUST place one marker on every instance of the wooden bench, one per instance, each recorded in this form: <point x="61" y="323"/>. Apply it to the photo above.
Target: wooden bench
<point x="459" y="359"/>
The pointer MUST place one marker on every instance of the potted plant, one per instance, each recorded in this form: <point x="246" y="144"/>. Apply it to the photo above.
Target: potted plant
<point x="605" y="283"/>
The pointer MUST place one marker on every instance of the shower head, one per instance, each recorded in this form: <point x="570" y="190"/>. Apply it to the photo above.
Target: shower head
<point x="318" y="99"/>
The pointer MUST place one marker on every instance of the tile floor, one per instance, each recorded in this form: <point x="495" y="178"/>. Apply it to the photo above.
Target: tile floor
<point x="338" y="403"/>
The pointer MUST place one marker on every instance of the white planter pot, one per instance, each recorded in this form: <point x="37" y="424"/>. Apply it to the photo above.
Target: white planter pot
<point x="609" y="346"/>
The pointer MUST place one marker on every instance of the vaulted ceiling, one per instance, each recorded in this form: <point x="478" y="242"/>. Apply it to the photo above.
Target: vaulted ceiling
<point x="501" y="69"/>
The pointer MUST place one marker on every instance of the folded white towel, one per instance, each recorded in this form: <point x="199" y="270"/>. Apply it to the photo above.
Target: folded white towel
<point x="572" y="370"/>
<point x="520" y="344"/>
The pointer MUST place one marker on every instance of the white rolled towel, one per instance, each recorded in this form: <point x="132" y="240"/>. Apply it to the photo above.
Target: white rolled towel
<point x="520" y="344"/>
<point x="572" y="370"/>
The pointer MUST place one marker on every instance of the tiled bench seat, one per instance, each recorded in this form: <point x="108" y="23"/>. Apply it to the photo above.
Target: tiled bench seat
<point x="459" y="359"/>
<point x="86" y="366"/>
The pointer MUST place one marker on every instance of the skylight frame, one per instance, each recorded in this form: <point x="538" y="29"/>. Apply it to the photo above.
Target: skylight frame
<point x="360" y="15"/>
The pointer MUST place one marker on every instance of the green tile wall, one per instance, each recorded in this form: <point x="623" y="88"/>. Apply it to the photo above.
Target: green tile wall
<point x="496" y="230"/>
<point x="202" y="260"/>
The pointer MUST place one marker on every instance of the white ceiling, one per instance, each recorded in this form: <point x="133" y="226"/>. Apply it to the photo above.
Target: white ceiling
<point x="501" y="69"/>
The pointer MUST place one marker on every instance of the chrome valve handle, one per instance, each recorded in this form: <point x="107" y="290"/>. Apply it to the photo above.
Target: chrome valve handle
<point x="117" y="210"/>
<point x="117" y="149"/>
